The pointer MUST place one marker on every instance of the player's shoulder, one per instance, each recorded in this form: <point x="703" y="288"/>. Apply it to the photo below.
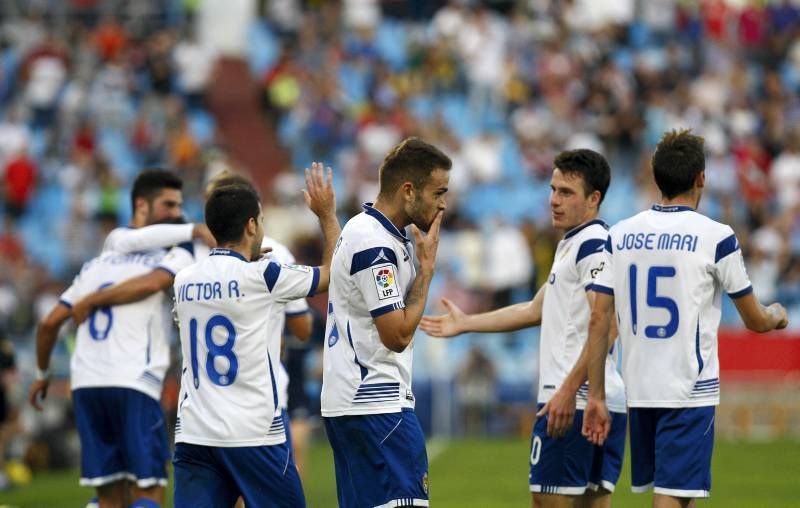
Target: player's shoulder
<point x="279" y="253"/>
<point x="362" y="232"/>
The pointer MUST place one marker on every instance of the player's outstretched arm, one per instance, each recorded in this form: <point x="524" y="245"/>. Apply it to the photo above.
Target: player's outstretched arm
<point x="129" y="291"/>
<point x="46" y="336"/>
<point x="321" y="199"/>
<point x="157" y="236"/>
<point x="396" y="329"/>
<point x="596" y="422"/>
<point x="759" y="318"/>
<point x="505" y="319"/>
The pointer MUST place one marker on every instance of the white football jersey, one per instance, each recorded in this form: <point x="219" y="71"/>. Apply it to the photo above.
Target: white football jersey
<point x="124" y="345"/>
<point x="565" y="314"/>
<point x="371" y="272"/>
<point x="667" y="270"/>
<point x="228" y="310"/>
<point x="186" y="254"/>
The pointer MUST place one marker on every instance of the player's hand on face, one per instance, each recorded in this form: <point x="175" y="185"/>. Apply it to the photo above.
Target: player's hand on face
<point x="38" y="392"/>
<point x="81" y="309"/>
<point x="318" y="193"/>
<point x="779" y="311"/>
<point x="560" y="411"/>
<point x="444" y="325"/>
<point x="202" y="233"/>
<point x="596" y="421"/>
<point x="427" y="244"/>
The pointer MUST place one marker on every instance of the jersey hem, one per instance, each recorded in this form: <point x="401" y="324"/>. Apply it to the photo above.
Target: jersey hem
<point x="405" y="501"/>
<point x="682" y="493"/>
<point x="564" y="491"/>
<point x="229" y="443"/>
<point x="603" y="484"/>
<point x="363" y="412"/>
<point x="673" y="404"/>
<point x="150" y="393"/>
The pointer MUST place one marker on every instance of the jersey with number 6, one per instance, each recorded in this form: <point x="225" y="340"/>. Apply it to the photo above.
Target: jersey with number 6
<point x="227" y="311"/>
<point x="125" y="345"/>
<point x="667" y="269"/>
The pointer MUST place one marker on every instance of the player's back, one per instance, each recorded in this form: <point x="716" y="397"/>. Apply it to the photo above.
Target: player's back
<point x="227" y="309"/>
<point x="124" y="345"/>
<point x="669" y="266"/>
<point x="371" y="269"/>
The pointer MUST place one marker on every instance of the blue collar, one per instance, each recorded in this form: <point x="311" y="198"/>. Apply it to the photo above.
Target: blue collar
<point x="577" y="229"/>
<point x="386" y="223"/>
<point x="672" y="208"/>
<point x="226" y="252"/>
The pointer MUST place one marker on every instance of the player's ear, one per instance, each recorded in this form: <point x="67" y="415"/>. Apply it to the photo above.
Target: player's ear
<point x="407" y="190"/>
<point x="700" y="180"/>
<point x="251" y="227"/>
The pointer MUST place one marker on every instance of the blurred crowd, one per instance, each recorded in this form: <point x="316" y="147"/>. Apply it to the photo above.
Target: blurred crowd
<point x="92" y="91"/>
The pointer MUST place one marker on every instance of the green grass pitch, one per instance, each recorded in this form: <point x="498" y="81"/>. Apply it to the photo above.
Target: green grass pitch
<point x="494" y="473"/>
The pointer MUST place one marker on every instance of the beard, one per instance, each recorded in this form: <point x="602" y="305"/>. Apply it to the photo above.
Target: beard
<point x="417" y="215"/>
<point x="173" y="220"/>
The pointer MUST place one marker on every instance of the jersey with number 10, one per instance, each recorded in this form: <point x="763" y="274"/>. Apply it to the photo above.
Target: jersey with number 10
<point x="667" y="268"/>
<point x="227" y="311"/>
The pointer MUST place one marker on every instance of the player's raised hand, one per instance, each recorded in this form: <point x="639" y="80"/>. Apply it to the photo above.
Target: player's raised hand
<point x="202" y="233"/>
<point x="38" y="392"/>
<point x="560" y="411"/>
<point x="596" y="421"/>
<point x="444" y="325"/>
<point x="427" y="244"/>
<point x="318" y="193"/>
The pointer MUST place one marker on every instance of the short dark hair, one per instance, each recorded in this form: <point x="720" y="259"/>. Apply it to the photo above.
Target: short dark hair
<point x="227" y="211"/>
<point x="227" y="178"/>
<point x="151" y="182"/>
<point x="412" y="160"/>
<point x="678" y="159"/>
<point x="590" y="165"/>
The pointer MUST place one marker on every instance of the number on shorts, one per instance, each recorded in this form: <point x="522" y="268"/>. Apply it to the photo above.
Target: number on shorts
<point x="536" y="450"/>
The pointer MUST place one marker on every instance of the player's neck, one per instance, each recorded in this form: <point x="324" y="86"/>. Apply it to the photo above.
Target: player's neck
<point x="688" y="199"/>
<point x="240" y="248"/>
<point x="393" y="212"/>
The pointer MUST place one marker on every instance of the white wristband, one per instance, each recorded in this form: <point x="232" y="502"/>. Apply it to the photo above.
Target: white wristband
<point x="41" y="375"/>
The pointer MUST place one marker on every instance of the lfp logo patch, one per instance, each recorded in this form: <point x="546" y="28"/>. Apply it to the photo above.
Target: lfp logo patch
<point x="385" y="282"/>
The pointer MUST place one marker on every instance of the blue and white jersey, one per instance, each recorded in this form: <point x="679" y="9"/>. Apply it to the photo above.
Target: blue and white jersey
<point x="228" y="312"/>
<point x="565" y="314"/>
<point x="371" y="272"/>
<point x="186" y="254"/>
<point x="667" y="269"/>
<point x="126" y="239"/>
<point x="125" y="345"/>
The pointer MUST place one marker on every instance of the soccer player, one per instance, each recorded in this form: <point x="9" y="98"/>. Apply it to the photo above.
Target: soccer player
<point x="121" y="355"/>
<point x="665" y="271"/>
<point x="565" y="469"/>
<point x="230" y="438"/>
<point x="376" y="300"/>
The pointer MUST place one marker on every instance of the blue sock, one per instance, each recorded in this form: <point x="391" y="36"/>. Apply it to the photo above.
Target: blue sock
<point x="143" y="502"/>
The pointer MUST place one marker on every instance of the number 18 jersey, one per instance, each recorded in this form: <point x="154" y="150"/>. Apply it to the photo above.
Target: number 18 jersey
<point x="667" y="268"/>
<point x="227" y="311"/>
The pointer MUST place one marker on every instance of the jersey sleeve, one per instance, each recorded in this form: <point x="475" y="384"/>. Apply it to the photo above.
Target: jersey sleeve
<point x="74" y="292"/>
<point x="289" y="282"/>
<point x="124" y="240"/>
<point x="602" y="280"/>
<point x="374" y="273"/>
<point x="178" y="258"/>
<point x="281" y="254"/>
<point x="590" y="261"/>
<point x="729" y="267"/>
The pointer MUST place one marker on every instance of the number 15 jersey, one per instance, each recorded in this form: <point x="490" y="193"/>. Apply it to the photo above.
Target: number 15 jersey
<point x="227" y="309"/>
<point x="667" y="268"/>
